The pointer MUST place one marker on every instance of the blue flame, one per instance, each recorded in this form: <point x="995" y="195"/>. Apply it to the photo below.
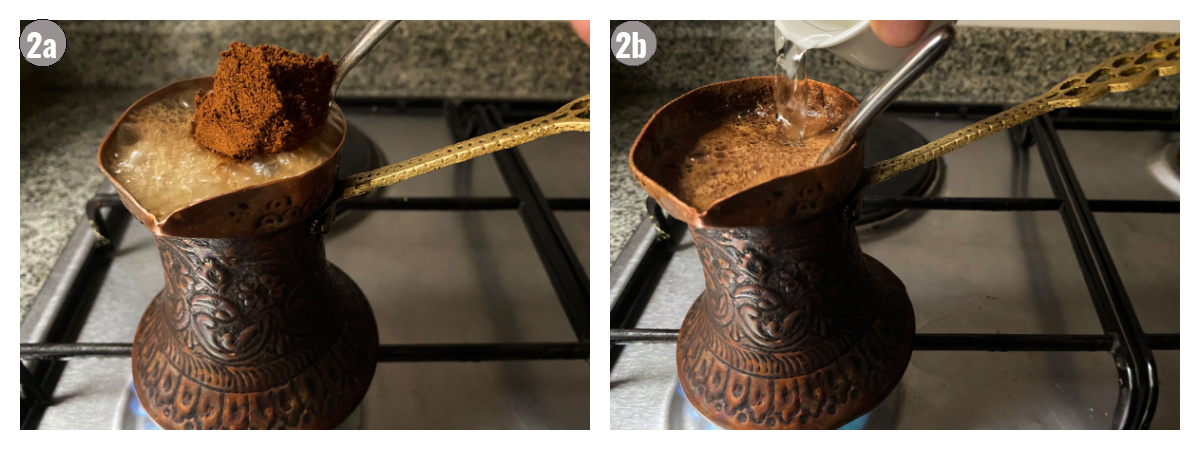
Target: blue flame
<point x="143" y="420"/>
<point x="694" y="416"/>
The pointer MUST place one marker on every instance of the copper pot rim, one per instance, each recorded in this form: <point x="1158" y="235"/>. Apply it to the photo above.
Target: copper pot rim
<point x="156" y="224"/>
<point x="696" y="218"/>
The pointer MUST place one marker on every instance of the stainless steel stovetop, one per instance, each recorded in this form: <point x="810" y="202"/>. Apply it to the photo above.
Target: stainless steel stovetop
<point x="432" y="277"/>
<point x="972" y="271"/>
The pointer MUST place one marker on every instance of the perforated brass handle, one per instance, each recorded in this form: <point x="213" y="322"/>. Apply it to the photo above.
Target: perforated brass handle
<point x="1119" y="74"/>
<point x="574" y="116"/>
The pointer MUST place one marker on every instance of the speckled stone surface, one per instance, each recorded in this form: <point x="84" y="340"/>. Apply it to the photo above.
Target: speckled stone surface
<point x="502" y="59"/>
<point x="985" y="65"/>
<point x="67" y="108"/>
<point x="59" y="137"/>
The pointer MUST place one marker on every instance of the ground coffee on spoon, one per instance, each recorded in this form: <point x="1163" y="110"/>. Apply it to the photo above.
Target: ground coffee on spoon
<point x="265" y="99"/>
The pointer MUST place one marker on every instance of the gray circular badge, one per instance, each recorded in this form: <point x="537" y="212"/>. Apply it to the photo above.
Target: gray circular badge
<point x="633" y="43"/>
<point x="43" y="43"/>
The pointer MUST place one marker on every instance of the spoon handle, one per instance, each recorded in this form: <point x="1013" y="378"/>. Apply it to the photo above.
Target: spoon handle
<point x="1117" y="74"/>
<point x="923" y="54"/>
<point x="574" y="116"/>
<point x="367" y="38"/>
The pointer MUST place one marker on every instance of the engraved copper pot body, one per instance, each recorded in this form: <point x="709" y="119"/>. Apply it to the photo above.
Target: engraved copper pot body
<point x="796" y="328"/>
<point x="255" y="332"/>
<point x="255" y="328"/>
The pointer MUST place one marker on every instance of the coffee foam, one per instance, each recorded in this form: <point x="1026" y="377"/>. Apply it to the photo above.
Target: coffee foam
<point x="162" y="167"/>
<point x="747" y="148"/>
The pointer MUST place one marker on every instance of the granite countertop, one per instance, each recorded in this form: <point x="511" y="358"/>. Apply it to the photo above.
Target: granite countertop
<point x="67" y="108"/>
<point x="984" y="65"/>
<point x="59" y="137"/>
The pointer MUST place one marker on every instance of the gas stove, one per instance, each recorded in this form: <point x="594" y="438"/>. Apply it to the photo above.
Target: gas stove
<point x="1038" y="260"/>
<point x="477" y="275"/>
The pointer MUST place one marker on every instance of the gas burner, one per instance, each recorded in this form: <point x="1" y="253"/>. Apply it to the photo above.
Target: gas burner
<point x="888" y="138"/>
<point x="1165" y="166"/>
<point x="132" y="416"/>
<point x="681" y="415"/>
<point x="358" y="155"/>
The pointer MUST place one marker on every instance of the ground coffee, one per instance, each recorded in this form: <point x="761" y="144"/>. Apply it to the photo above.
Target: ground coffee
<point x="265" y="99"/>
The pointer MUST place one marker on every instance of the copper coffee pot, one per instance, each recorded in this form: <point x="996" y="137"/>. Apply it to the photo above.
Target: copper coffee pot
<point x="255" y="329"/>
<point x="796" y="328"/>
<point x="256" y="210"/>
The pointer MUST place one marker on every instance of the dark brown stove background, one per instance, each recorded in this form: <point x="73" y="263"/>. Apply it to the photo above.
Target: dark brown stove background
<point x="651" y="277"/>
<point x="514" y="295"/>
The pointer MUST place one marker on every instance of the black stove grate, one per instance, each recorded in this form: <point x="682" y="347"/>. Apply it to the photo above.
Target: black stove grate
<point x="1123" y="337"/>
<point x="465" y="120"/>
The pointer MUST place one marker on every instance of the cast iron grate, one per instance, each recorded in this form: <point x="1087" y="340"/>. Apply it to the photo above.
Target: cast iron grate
<point x="1123" y="337"/>
<point x="42" y="363"/>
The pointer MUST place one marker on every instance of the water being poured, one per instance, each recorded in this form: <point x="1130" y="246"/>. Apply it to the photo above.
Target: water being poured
<point x="791" y="83"/>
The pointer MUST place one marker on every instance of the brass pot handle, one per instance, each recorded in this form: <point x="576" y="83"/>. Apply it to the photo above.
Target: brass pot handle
<point x="1118" y="74"/>
<point x="574" y="116"/>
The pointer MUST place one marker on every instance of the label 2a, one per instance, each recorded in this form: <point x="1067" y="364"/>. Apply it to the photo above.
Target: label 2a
<point x="42" y="48"/>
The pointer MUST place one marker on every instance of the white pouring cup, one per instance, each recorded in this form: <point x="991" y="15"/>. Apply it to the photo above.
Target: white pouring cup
<point x="851" y="40"/>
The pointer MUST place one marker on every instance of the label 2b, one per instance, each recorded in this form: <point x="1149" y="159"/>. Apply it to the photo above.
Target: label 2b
<point x="638" y="44"/>
<point x="633" y="43"/>
<point x="43" y="43"/>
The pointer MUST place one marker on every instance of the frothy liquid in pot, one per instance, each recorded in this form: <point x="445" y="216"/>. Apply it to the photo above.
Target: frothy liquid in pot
<point x="156" y="160"/>
<point x="745" y="150"/>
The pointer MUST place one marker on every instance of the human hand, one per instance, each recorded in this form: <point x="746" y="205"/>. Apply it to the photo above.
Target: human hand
<point x="900" y="33"/>
<point x="584" y="29"/>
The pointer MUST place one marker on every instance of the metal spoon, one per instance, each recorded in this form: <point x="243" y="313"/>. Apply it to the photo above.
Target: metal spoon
<point x="924" y="54"/>
<point x="367" y="38"/>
